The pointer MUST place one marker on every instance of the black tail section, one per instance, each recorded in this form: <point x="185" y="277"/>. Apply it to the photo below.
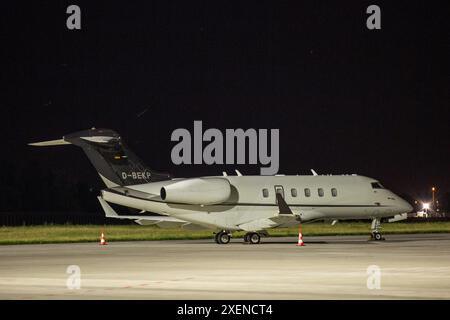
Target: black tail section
<point x="116" y="164"/>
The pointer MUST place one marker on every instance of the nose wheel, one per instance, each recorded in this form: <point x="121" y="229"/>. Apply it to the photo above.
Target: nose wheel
<point x="376" y="234"/>
<point x="252" y="238"/>
<point x="222" y="237"/>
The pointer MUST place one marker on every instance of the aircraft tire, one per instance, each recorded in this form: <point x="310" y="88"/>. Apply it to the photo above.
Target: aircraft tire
<point x="222" y="237"/>
<point x="377" y="236"/>
<point x="216" y="238"/>
<point x="254" y="238"/>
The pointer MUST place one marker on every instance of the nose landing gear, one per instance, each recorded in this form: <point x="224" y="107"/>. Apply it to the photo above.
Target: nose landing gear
<point x="375" y="233"/>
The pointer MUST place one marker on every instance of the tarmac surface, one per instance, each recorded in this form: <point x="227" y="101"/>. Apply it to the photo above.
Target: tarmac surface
<point x="338" y="267"/>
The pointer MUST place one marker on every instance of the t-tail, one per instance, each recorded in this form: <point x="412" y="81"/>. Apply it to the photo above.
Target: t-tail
<point x="115" y="163"/>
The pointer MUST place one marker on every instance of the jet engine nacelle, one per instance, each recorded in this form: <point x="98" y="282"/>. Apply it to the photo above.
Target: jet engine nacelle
<point x="201" y="191"/>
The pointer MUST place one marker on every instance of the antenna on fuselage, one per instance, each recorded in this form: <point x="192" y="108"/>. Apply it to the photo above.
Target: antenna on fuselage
<point x="238" y="173"/>
<point x="314" y="172"/>
<point x="224" y="174"/>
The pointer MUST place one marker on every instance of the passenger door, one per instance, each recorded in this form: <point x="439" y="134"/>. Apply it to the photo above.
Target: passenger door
<point x="280" y="190"/>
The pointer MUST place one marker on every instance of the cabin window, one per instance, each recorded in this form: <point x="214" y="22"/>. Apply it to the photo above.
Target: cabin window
<point x="334" y="192"/>
<point x="377" y="185"/>
<point x="320" y="192"/>
<point x="294" y="192"/>
<point x="307" y="192"/>
<point x="265" y="193"/>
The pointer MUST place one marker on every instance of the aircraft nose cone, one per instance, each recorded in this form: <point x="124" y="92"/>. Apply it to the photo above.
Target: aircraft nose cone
<point x="406" y="207"/>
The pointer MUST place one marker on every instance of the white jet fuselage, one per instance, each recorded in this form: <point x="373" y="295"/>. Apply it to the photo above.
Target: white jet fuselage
<point x="252" y="204"/>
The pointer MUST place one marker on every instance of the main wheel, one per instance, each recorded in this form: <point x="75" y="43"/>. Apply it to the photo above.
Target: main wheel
<point x="222" y="237"/>
<point x="254" y="238"/>
<point x="216" y="238"/>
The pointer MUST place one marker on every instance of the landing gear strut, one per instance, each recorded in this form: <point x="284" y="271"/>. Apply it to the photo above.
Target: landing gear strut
<point x="252" y="238"/>
<point x="222" y="237"/>
<point x="376" y="234"/>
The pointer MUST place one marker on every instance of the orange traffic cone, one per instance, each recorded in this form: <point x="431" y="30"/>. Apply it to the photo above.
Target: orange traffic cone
<point x="300" y="239"/>
<point x="103" y="240"/>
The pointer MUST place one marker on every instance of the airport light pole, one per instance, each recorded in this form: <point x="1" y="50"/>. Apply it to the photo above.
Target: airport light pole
<point x="433" y="189"/>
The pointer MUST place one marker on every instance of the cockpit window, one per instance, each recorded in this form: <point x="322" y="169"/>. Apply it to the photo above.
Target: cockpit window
<point x="377" y="185"/>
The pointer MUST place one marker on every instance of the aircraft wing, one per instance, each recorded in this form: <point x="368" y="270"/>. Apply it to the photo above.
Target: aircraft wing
<point x="285" y="218"/>
<point x="280" y="221"/>
<point x="160" y="221"/>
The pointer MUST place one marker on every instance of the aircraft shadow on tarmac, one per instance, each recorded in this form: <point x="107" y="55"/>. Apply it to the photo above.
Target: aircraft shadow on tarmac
<point x="331" y="242"/>
<point x="337" y="241"/>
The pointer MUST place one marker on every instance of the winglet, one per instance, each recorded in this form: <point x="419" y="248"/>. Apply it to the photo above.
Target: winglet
<point x="109" y="212"/>
<point x="282" y="205"/>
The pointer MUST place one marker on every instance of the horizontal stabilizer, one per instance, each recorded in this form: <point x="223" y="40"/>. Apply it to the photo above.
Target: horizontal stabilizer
<point x="57" y="142"/>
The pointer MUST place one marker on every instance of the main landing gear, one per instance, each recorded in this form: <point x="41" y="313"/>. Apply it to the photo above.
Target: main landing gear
<point x="252" y="238"/>
<point x="222" y="237"/>
<point x="376" y="234"/>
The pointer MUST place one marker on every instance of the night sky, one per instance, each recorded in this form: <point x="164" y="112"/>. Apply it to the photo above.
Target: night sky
<point x="346" y="99"/>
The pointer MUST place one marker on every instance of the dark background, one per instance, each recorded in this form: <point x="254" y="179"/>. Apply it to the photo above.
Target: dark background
<point x="346" y="99"/>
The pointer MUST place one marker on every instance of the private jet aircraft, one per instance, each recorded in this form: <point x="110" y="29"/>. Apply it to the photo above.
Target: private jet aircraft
<point x="229" y="203"/>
